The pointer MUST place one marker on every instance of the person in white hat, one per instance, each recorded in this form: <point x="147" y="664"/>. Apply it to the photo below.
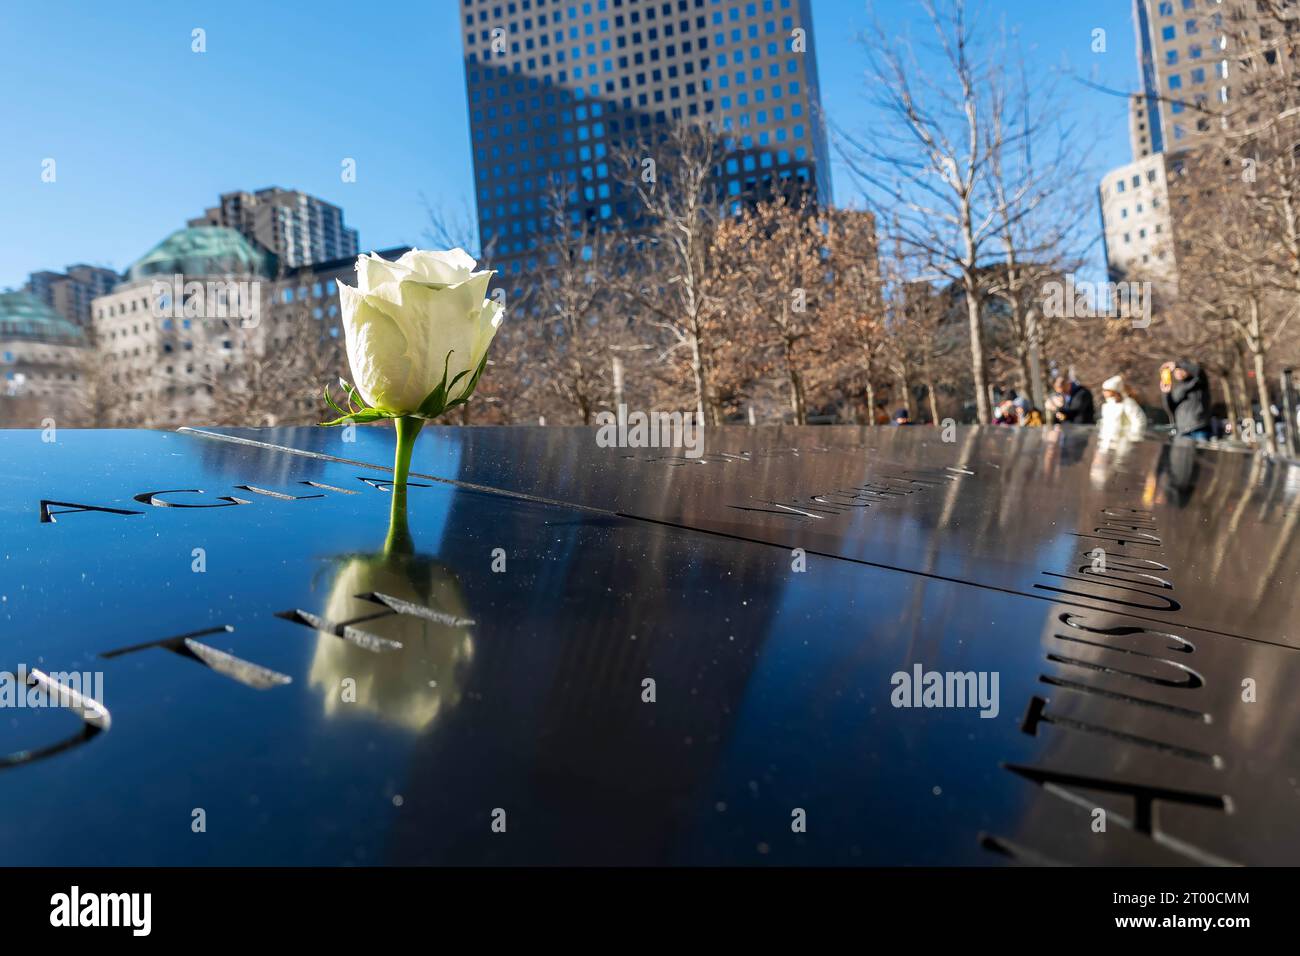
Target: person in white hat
<point x="1121" y="416"/>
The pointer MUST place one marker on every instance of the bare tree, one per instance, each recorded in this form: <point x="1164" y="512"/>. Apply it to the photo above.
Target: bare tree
<point x="770" y="262"/>
<point x="456" y="228"/>
<point x="1041" y="225"/>
<point x="929" y="159"/>
<point x="569" y="309"/>
<point x="855" y="316"/>
<point x="1235" y="203"/>
<point x="952" y="163"/>
<point x="672" y="175"/>
<point x="1231" y="273"/>
<point x="271" y="373"/>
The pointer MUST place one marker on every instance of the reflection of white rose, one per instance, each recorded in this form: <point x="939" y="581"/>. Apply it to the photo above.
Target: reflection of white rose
<point x="407" y="687"/>
<point x="404" y="317"/>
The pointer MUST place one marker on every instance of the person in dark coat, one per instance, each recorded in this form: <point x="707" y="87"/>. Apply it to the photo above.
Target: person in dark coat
<point x="1186" y="391"/>
<point x="1076" y="403"/>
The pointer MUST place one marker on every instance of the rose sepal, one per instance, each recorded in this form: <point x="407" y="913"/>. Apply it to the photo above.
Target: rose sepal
<point x="434" y="404"/>
<point x="358" y="413"/>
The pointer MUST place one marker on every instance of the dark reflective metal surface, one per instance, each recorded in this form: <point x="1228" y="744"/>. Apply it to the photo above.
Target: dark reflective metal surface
<point x="1014" y="509"/>
<point x="317" y="682"/>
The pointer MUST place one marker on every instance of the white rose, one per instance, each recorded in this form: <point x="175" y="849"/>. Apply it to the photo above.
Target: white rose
<point x="408" y="321"/>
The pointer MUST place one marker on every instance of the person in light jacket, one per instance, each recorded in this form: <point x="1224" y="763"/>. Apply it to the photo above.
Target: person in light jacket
<point x="1121" y="416"/>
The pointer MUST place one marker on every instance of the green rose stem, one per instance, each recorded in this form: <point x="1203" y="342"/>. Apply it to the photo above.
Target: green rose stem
<point x="399" y="532"/>
<point x="408" y="428"/>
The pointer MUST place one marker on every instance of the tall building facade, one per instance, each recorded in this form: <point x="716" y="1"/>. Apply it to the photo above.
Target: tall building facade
<point x="70" y="293"/>
<point x="554" y="87"/>
<point x="1181" y="54"/>
<point x="1142" y="137"/>
<point x="300" y="229"/>
<point x="1185" y="66"/>
<point x="1136" y="223"/>
<point x="1194" y="59"/>
<point x="1145" y="133"/>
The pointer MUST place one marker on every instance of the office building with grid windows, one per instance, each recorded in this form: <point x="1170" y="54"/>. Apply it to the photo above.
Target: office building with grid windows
<point x="555" y="85"/>
<point x="1194" y="77"/>
<point x="1183" y="67"/>
<point x="300" y="229"/>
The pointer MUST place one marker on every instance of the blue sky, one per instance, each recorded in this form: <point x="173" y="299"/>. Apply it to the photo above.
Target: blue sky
<point x="146" y="133"/>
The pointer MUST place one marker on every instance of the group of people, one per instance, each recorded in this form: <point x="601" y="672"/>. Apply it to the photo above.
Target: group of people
<point x="1184" y="388"/>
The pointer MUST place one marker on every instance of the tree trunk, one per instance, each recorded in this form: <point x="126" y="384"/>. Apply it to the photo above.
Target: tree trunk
<point x="970" y="282"/>
<point x="1242" y="391"/>
<point x="977" y="352"/>
<point x="1230" y="399"/>
<point x="905" y="387"/>
<point x="1038" y="391"/>
<point x="697" y="375"/>
<point x="1265" y="409"/>
<point x="928" y="373"/>
<point x="1021" y="321"/>
<point x="871" y="404"/>
<point x="1255" y="343"/>
<point x="796" y="387"/>
<point x="1023" y="375"/>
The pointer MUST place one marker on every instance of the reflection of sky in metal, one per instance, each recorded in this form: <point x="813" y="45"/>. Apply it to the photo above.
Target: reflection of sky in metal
<point x="816" y="729"/>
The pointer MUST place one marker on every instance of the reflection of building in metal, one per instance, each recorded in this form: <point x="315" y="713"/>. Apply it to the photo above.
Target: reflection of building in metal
<point x="160" y="353"/>
<point x="554" y="92"/>
<point x="301" y="230"/>
<point x="42" y="362"/>
<point x="587" y="751"/>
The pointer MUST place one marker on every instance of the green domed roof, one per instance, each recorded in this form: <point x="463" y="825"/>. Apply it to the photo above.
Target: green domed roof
<point x="204" y="251"/>
<point x="22" y="315"/>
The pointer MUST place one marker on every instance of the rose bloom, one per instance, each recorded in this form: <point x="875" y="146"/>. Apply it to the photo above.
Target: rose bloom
<point x="405" y="318"/>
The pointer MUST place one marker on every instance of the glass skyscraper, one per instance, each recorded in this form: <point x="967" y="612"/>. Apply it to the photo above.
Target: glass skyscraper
<point x="555" y="85"/>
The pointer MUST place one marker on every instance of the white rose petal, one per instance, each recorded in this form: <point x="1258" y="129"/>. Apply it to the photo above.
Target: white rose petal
<point x="409" y="320"/>
<point x="443" y="268"/>
<point x="372" y="271"/>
